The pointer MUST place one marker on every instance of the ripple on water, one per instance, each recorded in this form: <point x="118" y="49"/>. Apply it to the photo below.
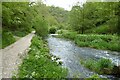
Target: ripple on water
<point x="71" y="54"/>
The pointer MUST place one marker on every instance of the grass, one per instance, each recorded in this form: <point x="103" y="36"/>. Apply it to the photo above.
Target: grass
<point x="7" y="39"/>
<point x="105" y="42"/>
<point x="96" y="77"/>
<point x="38" y="62"/>
<point x="102" y="66"/>
<point x="0" y="42"/>
<point x="19" y="33"/>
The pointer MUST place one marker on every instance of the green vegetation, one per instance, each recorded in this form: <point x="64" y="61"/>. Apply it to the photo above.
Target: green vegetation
<point x="7" y="39"/>
<point x="52" y="30"/>
<point x="102" y="66"/>
<point x="93" y="24"/>
<point x="96" y="77"/>
<point x="38" y="62"/>
<point x="106" y="42"/>
<point x="20" y="18"/>
<point x="95" y="17"/>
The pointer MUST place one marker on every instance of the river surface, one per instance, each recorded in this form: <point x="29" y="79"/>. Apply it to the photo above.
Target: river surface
<point x="71" y="55"/>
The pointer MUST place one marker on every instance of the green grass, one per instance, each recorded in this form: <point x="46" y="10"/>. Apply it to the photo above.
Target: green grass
<point x="105" y="42"/>
<point x="102" y="66"/>
<point x="38" y="62"/>
<point x="19" y="33"/>
<point x="96" y="77"/>
<point x="7" y="39"/>
<point x="0" y="41"/>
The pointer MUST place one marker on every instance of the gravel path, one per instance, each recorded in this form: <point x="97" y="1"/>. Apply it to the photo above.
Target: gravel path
<point x="11" y="56"/>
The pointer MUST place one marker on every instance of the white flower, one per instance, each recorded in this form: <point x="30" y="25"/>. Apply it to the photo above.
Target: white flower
<point x="37" y="56"/>
<point x="33" y="73"/>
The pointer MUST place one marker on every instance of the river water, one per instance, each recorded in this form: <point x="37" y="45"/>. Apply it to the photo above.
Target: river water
<point x="70" y="55"/>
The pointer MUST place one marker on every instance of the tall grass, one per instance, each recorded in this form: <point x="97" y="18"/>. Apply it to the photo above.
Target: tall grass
<point x="106" y="42"/>
<point x="38" y="63"/>
<point x="102" y="66"/>
<point x="7" y="39"/>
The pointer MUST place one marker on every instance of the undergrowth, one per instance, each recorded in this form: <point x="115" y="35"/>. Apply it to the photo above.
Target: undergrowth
<point x="105" y="42"/>
<point x="7" y="39"/>
<point x="38" y="62"/>
<point x="102" y="66"/>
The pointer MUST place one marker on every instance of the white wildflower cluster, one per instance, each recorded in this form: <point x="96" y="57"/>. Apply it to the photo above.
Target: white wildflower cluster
<point x="27" y="76"/>
<point x="53" y="58"/>
<point x="29" y="48"/>
<point x="37" y="56"/>
<point x="33" y="73"/>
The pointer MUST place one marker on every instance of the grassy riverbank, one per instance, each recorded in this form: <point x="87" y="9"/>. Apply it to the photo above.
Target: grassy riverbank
<point x="38" y="62"/>
<point x="101" y="66"/>
<point x="105" y="42"/>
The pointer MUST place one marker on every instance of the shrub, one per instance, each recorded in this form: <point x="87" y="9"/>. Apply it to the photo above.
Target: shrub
<point x="40" y="27"/>
<point x="20" y="33"/>
<point x="105" y="63"/>
<point x="99" y="66"/>
<point x="7" y="38"/>
<point x="70" y="35"/>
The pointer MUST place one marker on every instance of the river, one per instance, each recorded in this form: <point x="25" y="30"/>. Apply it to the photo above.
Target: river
<point x="70" y="55"/>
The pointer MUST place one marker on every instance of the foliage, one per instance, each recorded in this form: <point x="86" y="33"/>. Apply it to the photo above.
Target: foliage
<point x="52" y="30"/>
<point x="19" y="18"/>
<point x="96" y="77"/>
<point x="7" y="39"/>
<point x="102" y="66"/>
<point x="38" y="63"/>
<point x="109" y="42"/>
<point x="69" y="35"/>
<point x="0" y="36"/>
<point x="16" y="16"/>
<point x="93" y="16"/>
<point x="59" y="14"/>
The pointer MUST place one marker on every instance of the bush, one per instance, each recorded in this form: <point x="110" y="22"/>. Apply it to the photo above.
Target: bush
<point x="52" y="30"/>
<point x="99" y="66"/>
<point x="20" y="33"/>
<point x="105" y="63"/>
<point x="41" y="27"/>
<point x="7" y="38"/>
<point x="70" y="35"/>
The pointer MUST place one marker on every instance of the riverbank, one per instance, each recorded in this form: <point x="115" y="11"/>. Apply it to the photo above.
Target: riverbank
<point x="101" y="66"/>
<point x="71" y="55"/>
<point x="105" y="42"/>
<point x="38" y="62"/>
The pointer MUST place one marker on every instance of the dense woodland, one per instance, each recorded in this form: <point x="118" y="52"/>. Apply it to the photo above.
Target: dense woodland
<point x="98" y="18"/>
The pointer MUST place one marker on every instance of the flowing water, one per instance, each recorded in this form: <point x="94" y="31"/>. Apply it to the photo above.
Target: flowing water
<point x="71" y="55"/>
